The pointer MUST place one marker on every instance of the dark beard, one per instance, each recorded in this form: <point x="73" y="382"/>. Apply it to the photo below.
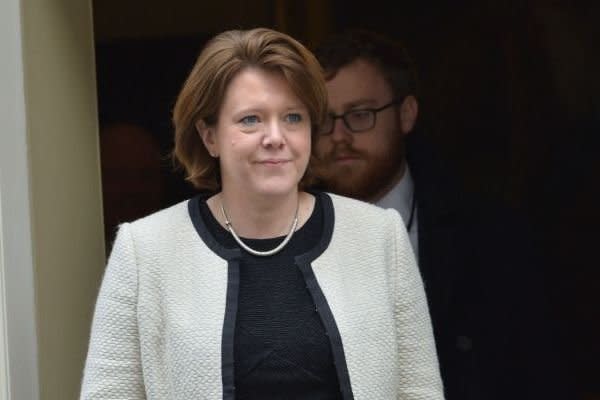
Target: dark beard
<point x="368" y="183"/>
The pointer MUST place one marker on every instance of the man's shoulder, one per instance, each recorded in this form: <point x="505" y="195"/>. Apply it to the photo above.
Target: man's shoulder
<point x="435" y="179"/>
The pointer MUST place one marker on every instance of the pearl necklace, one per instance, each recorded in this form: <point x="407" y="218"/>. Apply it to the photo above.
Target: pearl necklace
<point x="256" y="252"/>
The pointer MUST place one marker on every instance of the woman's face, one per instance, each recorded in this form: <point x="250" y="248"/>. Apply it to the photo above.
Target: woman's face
<point x="262" y="136"/>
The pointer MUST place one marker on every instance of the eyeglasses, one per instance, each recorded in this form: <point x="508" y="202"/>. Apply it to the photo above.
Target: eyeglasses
<point x="355" y="120"/>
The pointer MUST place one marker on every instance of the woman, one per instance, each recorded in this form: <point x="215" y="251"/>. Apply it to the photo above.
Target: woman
<point x="259" y="290"/>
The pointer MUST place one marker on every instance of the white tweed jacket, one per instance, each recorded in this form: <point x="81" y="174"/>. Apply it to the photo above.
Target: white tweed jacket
<point x="164" y="318"/>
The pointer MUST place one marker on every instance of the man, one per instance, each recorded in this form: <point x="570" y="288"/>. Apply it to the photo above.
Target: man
<point x="363" y="142"/>
<point x="487" y="309"/>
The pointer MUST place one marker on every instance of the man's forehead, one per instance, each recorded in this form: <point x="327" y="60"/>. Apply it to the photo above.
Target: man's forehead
<point x="357" y="85"/>
<point x="357" y="103"/>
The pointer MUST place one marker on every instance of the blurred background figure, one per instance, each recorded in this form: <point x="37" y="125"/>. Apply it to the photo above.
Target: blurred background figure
<point x="132" y="181"/>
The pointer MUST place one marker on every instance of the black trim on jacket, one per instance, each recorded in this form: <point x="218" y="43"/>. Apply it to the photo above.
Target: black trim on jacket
<point x="303" y="261"/>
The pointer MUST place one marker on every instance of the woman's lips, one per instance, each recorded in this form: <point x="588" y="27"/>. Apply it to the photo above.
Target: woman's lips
<point x="273" y="162"/>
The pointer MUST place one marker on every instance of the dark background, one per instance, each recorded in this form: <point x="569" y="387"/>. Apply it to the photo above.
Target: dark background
<point x="509" y="92"/>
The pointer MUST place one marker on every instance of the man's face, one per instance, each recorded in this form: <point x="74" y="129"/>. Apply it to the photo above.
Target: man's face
<point x="364" y="165"/>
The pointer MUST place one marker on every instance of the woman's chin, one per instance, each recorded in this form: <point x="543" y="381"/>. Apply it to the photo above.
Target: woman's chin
<point x="277" y="188"/>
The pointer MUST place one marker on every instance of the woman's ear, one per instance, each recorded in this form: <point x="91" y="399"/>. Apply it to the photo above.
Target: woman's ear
<point x="409" y="110"/>
<point x="207" y="134"/>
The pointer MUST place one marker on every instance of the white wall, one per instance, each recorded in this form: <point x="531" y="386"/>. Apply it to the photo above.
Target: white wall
<point x="4" y="377"/>
<point x="52" y="250"/>
<point x="17" y="287"/>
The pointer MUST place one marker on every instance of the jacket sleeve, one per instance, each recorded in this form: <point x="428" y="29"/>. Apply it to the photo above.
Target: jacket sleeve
<point x="419" y="370"/>
<point x="113" y="366"/>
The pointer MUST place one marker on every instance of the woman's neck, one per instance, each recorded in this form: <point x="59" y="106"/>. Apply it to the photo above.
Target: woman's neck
<point x="259" y="217"/>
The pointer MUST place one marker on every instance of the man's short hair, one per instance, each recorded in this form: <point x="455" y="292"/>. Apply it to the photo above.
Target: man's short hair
<point x="389" y="55"/>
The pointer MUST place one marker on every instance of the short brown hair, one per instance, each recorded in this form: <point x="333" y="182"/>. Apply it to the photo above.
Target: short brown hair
<point x="220" y="61"/>
<point x="386" y="53"/>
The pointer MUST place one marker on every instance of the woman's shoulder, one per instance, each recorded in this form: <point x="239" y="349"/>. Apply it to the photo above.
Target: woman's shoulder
<point x="356" y="212"/>
<point x="159" y="234"/>
<point x="165" y="219"/>
<point x="351" y="205"/>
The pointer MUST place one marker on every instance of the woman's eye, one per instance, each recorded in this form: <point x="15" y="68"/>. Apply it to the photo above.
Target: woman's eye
<point x="293" y="118"/>
<point x="249" y="120"/>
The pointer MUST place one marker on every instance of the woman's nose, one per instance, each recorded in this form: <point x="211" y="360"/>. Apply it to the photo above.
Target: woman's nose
<point x="274" y="135"/>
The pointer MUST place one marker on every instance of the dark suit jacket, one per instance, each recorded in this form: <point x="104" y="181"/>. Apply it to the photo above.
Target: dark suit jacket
<point x="485" y="284"/>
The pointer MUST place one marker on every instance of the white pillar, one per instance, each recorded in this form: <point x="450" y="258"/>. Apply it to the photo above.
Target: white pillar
<point x="51" y="236"/>
<point x="19" y="373"/>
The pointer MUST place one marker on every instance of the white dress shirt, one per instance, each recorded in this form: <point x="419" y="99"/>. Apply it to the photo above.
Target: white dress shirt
<point x="401" y="199"/>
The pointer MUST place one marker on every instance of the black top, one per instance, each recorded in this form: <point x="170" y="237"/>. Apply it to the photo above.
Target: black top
<point x="281" y="349"/>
